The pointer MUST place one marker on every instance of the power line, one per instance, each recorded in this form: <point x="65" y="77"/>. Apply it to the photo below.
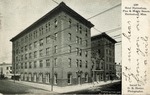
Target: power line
<point x="55" y="2"/>
<point x="103" y="11"/>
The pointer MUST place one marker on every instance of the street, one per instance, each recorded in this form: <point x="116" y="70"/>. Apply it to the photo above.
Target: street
<point x="9" y="87"/>
<point x="114" y="88"/>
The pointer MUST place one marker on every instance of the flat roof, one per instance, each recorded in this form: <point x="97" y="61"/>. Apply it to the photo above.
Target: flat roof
<point x="96" y="37"/>
<point x="61" y="7"/>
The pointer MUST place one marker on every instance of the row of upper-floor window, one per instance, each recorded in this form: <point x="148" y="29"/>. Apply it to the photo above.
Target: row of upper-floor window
<point x="101" y="42"/>
<point x="100" y="65"/>
<point x="48" y="41"/>
<point x="110" y="52"/>
<point x="39" y="32"/>
<point x="41" y="53"/>
<point x="47" y="52"/>
<point x="34" y="64"/>
<point x="109" y="59"/>
<point x="110" y="67"/>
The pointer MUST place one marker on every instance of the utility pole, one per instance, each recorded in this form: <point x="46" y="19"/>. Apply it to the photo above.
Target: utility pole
<point x="53" y="52"/>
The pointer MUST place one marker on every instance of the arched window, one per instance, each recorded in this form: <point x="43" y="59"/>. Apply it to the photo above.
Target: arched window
<point x="30" y="76"/>
<point x="40" y="77"/>
<point x="47" y="77"/>
<point x="35" y="77"/>
<point x="55" y="78"/>
<point x="86" y="77"/>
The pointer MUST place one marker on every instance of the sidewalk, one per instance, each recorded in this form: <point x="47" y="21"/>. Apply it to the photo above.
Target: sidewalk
<point x="67" y="88"/>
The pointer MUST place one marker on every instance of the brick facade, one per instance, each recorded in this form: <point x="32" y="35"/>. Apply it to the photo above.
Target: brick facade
<point x="56" y="40"/>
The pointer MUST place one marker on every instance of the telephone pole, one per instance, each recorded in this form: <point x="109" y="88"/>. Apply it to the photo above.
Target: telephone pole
<point x="53" y="52"/>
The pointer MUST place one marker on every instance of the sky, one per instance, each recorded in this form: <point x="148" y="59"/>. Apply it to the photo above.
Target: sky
<point x="16" y="15"/>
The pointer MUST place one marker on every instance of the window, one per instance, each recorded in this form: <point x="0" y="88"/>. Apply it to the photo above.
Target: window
<point x="56" y="22"/>
<point x="69" y="78"/>
<point x="55" y="78"/>
<point x="30" y="55"/>
<point x="30" y="65"/>
<point x="48" y="39"/>
<point x="35" y="44"/>
<point x="77" y="39"/>
<point x="80" y="63"/>
<point x="86" y="77"/>
<point x="47" y="63"/>
<point x="21" y="49"/>
<point x="41" y="63"/>
<point x="16" y="59"/>
<point x="49" y="24"/>
<point x="21" y="57"/>
<point x="69" y="36"/>
<point x="77" y="27"/>
<point x="69" y="61"/>
<point x="35" y="33"/>
<point x="69" y="49"/>
<point x="99" y="51"/>
<point x="77" y="62"/>
<point x="47" y="51"/>
<point x="30" y="46"/>
<point x="25" y="65"/>
<point x="80" y="41"/>
<point x="77" y="51"/>
<point x="22" y="40"/>
<point x="41" y="53"/>
<point x="55" y="62"/>
<point x="80" y="52"/>
<point x="86" y="53"/>
<point x="86" y="32"/>
<point x="86" y="64"/>
<point x="56" y="36"/>
<point x="55" y="47"/>
<point x="17" y="66"/>
<point x="47" y="77"/>
<point x="7" y="68"/>
<point x="21" y="65"/>
<point x="110" y="53"/>
<point x="101" y="65"/>
<point x="41" y="42"/>
<point x="26" y="48"/>
<point x="35" y="54"/>
<point x="107" y="59"/>
<point x="30" y="36"/>
<point x="86" y="43"/>
<point x="41" y="30"/>
<point x="26" y="38"/>
<point x="26" y="56"/>
<point x="69" y="22"/>
<point x="80" y="29"/>
<point x="17" y="51"/>
<point x="35" y="64"/>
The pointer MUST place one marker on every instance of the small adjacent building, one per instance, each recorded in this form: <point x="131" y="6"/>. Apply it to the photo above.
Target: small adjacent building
<point x="5" y="70"/>
<point x="103" y="57"/>
<point x="58" y="45"/>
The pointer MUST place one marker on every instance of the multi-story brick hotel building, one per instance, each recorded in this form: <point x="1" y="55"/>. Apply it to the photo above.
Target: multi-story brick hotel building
<point x="103" y="57"/>
<point x="57" y="44"/>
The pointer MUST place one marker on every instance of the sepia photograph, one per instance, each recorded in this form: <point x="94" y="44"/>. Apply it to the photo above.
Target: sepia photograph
<point x="60" y="47"/>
